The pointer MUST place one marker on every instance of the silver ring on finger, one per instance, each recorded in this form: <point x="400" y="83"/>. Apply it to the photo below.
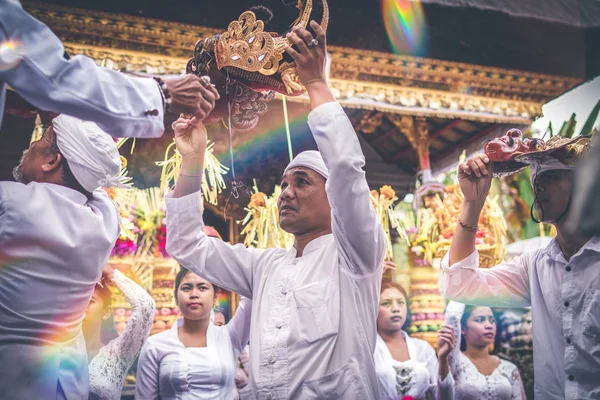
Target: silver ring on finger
<point x="205" y="80"/>
<point x="312" y="44"/>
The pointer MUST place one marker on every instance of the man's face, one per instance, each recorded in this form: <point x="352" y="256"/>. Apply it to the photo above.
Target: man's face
<point x="552" y="191"/>
<point x="31" y="166"/>
<point x="219" y="318"/>
<point x="303" y="204"/>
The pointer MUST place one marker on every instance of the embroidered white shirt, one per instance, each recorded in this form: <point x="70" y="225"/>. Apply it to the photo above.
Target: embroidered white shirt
<point x="565" y="302"/>
<point x="419" y="374"/>
<point x="314" y="317"/>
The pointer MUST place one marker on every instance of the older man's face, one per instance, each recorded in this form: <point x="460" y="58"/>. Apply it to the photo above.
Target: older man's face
<point x="30" y="167"/>
<point x="303" y="203"/>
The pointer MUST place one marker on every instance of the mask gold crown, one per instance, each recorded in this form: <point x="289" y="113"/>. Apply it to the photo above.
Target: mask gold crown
<point x="247" y="47"/>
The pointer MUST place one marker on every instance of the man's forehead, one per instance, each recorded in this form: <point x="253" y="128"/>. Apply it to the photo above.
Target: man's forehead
<point x="299" y="171"/>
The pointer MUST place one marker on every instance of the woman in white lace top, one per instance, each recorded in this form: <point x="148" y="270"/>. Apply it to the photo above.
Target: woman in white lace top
<point x="405" y="366"/>
<point x="473" y="373"/>
<point x="195" y="359"/>
<point x="110" y="355"/>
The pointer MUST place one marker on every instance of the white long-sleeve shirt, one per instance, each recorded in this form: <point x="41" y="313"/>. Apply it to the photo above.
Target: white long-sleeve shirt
<point x="565" y="304"/>
<point x="53" y="246"/>
<point x="314" y="317"/>
<point x="109" y="367"/>
<point x="122" y="105"/>
<point x="167" y="370"/>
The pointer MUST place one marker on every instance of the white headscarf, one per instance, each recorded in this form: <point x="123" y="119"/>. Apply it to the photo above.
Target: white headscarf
<point x="309" y="159"/>
<point x="547" y="164"/>
<point x="90" y="152"/>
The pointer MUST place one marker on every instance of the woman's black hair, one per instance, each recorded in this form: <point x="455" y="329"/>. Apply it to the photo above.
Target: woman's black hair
<point x="107" y="329"/>
<point x="387" y="284"/>
<point x="463" y="324"/>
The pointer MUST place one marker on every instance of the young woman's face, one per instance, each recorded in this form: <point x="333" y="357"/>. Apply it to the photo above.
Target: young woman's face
<point x="392" y="310"/>
<point x="97" y="311"/>
<point x="195" y="297"/>
<point x="481" y="327"/>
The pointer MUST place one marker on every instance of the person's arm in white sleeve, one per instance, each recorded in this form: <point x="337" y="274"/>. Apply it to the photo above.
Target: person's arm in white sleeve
<point x="505" y="285"/>
<point x="146" y="378"/>
<point x="355" y="226"/>
<point x="121" y="105"/>
<point x="138" y="327"/>
<point x="231" y="267"/>
<point x="239" y="326"/>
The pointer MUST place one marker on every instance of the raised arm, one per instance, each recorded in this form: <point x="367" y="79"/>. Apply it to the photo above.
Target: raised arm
<point x="448" y="347"/>
<point x="355" y="226"/>
<point x="129" y="343"/>
<point x="231" y="267"/>
<point x="505" y="285"/>
<point x="239" y="326"/>
<point x="122" y="105"/>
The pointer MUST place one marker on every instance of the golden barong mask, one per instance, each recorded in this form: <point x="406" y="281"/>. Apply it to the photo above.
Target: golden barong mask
<point x="253" y="57"/>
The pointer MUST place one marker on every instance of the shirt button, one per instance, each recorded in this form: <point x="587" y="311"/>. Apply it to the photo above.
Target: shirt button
<point x="568" y="340"/>
<point x="571" y="378"/>
<point x="567" y="304"/>
<point x="278" y="325"/>
<point x="568" y="268"/>
<point x="283" y="291"/>
<point x="271" y="359"/>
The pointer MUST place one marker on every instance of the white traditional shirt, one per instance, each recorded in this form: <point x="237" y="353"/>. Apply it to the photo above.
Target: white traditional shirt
<point x="109" y="367"/>
<point x="53" y="246"/>
<point x="168" y="370"/>
<point x="314" y="317"/>
<point x="465" y="382"/>
<point x="122" y="105"/>
<point x="416" y="377"/>
<point x="565" y="302"/>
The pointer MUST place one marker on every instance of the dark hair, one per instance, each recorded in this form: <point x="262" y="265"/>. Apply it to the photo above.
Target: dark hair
<point x="107" y="330"/>
<point x="463" y="324"/>
<point x="67" y="175"/>
<point x="179" y="277"/>
<point x="387" y="284"/>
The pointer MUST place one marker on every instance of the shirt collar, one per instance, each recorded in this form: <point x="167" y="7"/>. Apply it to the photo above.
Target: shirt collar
<point x="553" y="249"/>
<point x="71" y="194"/>
<point x="313" y="245"/>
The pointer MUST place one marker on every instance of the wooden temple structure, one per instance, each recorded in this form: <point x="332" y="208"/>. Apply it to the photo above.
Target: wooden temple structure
<point x="397" y="103"/>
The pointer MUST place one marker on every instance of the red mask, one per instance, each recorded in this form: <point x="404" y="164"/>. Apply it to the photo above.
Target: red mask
<point x="512" y="144"/>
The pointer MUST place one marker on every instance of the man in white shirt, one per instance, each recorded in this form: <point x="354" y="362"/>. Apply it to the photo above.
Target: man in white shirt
<point x="32" y="63"/>
<point x="561" y="283"/>
<point x="314" y="305"/>
<point x="57" y="228"/>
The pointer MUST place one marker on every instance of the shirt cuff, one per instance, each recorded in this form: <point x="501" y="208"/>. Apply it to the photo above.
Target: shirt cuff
<point x="445" y="383"/>
<point x="325" y="113"/>
<point x="188" y="202"/>
<point x="471" y="262"/>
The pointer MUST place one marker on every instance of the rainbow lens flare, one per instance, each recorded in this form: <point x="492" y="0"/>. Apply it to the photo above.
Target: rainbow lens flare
<point x="405" y="25"/>
<point x="10" y="54"/>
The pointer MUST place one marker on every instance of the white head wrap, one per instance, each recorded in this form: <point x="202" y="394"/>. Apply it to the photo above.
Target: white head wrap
<point x="90" y="152"/>
<point x="309" y="159"/>
<point x="546" y="164"/>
